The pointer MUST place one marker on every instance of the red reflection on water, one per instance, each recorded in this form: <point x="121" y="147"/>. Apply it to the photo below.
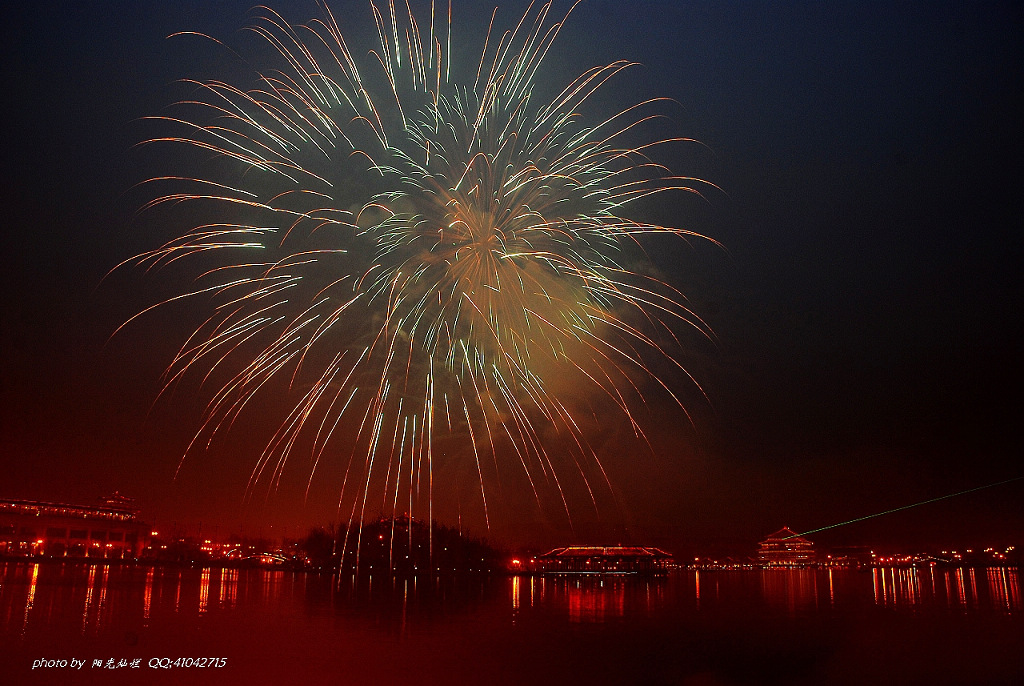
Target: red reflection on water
<point x="595" y="602"/>
<point x="228" y="587"/>
<point x="587" y="599"/>
<point x="88" y="598"/>
<point x="1004" y="588"/>
<point x="101" y="602"/>
<point x="147" y="598"/>
<point x="792" y="589"/>
<point x="953" y="588"/>
<point x="696" y="582"/>
<point x="961" y="592"/>
<point x="897" y="586"/>
<point x="507" y="631"/>
<point x="974" y="587"/>
<point x="204" y="591"/>
<point x="177" y="594"/>
<point x="31" y="601"/>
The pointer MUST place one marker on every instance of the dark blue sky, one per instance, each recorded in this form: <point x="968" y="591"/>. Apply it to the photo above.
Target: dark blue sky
<point x="866" y="302"/>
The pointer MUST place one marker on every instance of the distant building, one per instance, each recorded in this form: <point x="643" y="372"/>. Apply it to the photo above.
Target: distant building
<point x="111" y="529"/>
<point x="785" y="548"/>
<point x="854" y="556"/>
<point x="602" y="560"/>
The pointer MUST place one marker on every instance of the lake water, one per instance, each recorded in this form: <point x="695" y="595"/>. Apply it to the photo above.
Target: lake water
<point x="256" y="626"/>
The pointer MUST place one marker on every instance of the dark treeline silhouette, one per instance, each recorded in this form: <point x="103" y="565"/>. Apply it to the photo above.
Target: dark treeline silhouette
<point x="400" y="545"/>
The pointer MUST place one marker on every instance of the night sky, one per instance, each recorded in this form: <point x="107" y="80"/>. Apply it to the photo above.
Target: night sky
<point x="865" y="300"/>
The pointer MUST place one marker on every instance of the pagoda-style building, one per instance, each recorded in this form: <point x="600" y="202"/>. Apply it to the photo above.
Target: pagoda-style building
<point x="785" y="548"/>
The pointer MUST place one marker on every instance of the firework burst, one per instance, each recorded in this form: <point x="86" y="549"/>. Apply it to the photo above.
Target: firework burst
<point x="415" y="253"/>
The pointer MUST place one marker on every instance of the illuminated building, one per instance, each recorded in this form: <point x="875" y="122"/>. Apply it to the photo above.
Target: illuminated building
<point x="38" y="528"/>
<point x="854" y="556"/>
<point x="785" y="548"/>
<point x="602" y="560"/>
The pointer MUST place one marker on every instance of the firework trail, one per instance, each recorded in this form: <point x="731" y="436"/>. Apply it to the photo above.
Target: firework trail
<point x="415" y="253"/>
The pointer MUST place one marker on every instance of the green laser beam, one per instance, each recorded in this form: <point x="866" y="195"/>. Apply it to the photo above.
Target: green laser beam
<point x="907" y="507"/>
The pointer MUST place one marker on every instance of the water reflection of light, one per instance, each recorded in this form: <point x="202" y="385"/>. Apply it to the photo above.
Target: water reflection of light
<point x="31" y="600"/>
<point x="101" y="601"/>
<point x="147" y="598"/>
<point x="229" y="587"/>
<point x="588" y="598"/>
<point x="794" y="589"/>
<point x="7" y="607"/>
<point x="974" y="587"/>
<point x="405" y="607"/>
<point x="1014" y="588"/>
<point x="1003" y="589"/>
<point x="957" y="588"/>
<point x="204" y="591"/>
<point x="144" y="597"/>
<point x="271" y="580"/>
<point x="910" y="589"/>
<point x="590" y="602"/>
<point x="897" y="586"/>
<point x="88" y="598"/>
<point x="696" y="575"/>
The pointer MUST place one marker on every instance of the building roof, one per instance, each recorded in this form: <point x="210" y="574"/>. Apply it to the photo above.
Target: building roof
<point x="42" y="507"/>
<point x="606" y="551"/>
<point x="786" y="534"/>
